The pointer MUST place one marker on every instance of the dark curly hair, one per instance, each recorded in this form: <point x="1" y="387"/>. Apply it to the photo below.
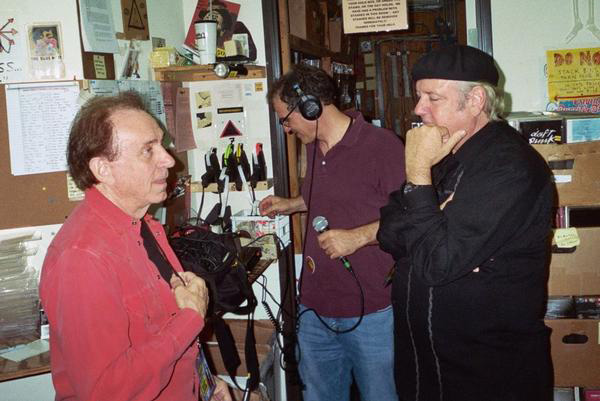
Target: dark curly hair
<point x="313" y="81"/>
<point x="92" y="134"/>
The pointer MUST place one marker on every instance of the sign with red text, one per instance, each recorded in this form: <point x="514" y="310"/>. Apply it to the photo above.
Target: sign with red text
<point x="574" y="78"/>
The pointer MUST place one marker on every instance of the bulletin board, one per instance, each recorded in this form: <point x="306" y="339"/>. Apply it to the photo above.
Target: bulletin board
<point x="29" y="200"/>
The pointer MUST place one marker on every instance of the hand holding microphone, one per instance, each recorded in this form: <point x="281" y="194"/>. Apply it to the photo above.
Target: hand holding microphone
<point x="320" y="224"/>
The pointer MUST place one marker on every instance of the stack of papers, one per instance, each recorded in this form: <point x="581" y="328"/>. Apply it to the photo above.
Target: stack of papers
<point x="19" y="301"/>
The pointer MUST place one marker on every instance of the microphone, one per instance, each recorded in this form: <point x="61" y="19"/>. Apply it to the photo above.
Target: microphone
<point x="320" y="224"/>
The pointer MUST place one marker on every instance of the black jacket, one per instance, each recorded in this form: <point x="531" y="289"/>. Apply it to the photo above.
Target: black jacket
<point x="469" y="292"/>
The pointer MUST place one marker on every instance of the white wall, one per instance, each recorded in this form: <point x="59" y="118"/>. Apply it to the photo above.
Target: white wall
<point x="27" y="12"/>
<point x="522" y="32"/>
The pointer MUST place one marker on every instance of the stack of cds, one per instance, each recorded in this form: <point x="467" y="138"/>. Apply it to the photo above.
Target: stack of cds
<point x="19" y="305"/>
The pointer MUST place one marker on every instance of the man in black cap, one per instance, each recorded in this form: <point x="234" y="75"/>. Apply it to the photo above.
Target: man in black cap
<point x="469" y="232"/>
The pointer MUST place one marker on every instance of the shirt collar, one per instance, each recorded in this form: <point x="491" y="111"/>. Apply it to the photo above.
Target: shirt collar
<point x="110" y="212"/>
<point x="352" y="135"/>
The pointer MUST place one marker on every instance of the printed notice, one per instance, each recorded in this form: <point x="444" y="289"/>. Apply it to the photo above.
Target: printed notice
<point x="97" y="27"/>
<point x="100" y="66"/>
<point x="574" y="79"/>
<point x="39" y="118"/>
<point x="566" y="237"/>
<point x="374" y="15"/>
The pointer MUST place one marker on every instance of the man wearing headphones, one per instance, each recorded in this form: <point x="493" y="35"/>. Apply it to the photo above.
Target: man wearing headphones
<point x="345" y="324"/>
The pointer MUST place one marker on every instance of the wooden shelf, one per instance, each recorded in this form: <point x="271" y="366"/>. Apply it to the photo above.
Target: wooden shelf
<point x="202" y="73"/>
<point x="196" y="186"/>
<point x="308" y="48"/>
<point x="28" y="367"/>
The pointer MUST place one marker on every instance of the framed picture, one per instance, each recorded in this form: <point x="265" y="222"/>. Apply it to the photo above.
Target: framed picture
<point x="45" y="41"/>
<point x="46" y="51"/>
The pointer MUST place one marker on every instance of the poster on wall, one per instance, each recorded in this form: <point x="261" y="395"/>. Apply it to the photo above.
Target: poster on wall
<point x="224" y="12"/>
<point x="135" y="19"/>
<point x="374" y="15"/>
<point x="46" y="51"/>
<point x="574" y="80"/>
<point x="12" y="45"/>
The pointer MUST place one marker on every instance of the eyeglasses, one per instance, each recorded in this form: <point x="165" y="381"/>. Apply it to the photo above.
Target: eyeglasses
<point x="283" y="121"/>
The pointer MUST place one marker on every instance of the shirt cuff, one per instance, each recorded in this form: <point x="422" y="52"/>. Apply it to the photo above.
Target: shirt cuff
<point x="422" y="195"/>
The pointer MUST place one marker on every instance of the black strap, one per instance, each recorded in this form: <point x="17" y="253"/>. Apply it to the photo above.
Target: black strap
<point x="155" y="253"/>
<point x="229" y="353"/>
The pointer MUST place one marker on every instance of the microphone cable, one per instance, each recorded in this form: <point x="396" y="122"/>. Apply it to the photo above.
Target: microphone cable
<point x="308" y="216"/>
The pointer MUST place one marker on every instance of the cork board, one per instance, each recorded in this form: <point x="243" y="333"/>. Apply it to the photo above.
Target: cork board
<point x="29" y="200"/>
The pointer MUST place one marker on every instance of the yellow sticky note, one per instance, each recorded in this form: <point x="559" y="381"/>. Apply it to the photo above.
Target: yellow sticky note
<point x="566" y="237"/>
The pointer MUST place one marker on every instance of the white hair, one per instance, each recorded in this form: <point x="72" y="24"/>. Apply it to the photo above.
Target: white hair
<point x="494" y="98"/>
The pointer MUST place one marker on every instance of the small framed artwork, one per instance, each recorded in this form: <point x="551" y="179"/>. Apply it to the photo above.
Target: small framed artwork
<point x="46" y="51"/>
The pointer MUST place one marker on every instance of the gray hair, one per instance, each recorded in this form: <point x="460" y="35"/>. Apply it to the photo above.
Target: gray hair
<point x="494" y="99"/>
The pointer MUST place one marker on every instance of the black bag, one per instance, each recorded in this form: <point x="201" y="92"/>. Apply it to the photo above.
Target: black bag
<point x="215" y="258"/>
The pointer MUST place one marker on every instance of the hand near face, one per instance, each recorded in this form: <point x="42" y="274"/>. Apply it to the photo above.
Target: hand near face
<point x="425" y="147"/>
<point x="191" y="293"/>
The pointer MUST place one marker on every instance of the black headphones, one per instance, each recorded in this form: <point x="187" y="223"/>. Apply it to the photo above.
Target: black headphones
<point x="310" y="106"/>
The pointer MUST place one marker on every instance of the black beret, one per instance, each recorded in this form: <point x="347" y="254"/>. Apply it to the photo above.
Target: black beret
<point x="456" y="63"/>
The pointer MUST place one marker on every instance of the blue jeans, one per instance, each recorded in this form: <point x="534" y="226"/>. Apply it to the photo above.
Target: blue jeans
<point x="327" y="361"/>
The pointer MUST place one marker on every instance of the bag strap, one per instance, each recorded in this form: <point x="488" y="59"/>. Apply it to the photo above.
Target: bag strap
<point x="230" y="355"/>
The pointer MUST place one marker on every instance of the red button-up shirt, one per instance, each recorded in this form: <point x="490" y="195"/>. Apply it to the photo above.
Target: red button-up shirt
<point x="116" y="332"/>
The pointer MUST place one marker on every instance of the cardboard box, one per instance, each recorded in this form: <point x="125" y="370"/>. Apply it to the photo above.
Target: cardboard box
<point x="577" y="273"/>
<point x="576" y="169"/>
<point x="575" y="364"/>
<point x="307" y="20"/>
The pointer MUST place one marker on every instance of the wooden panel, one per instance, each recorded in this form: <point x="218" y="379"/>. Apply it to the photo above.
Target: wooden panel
<point x="29" y="200"/>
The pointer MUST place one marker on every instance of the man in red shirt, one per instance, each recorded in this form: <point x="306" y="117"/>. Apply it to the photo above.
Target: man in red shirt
<point x="123" y="315"/>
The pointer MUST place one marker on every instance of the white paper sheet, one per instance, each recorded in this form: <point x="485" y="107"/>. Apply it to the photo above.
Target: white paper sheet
<point x="13" y="54"/>
<point x="97" y="27"/>
<point x="39" y="118"/>
<point x="151" y="92"/>
<point x="22" y="352"/>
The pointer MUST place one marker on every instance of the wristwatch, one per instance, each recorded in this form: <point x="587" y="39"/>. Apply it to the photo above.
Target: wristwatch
<point x="409" y="187"/>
